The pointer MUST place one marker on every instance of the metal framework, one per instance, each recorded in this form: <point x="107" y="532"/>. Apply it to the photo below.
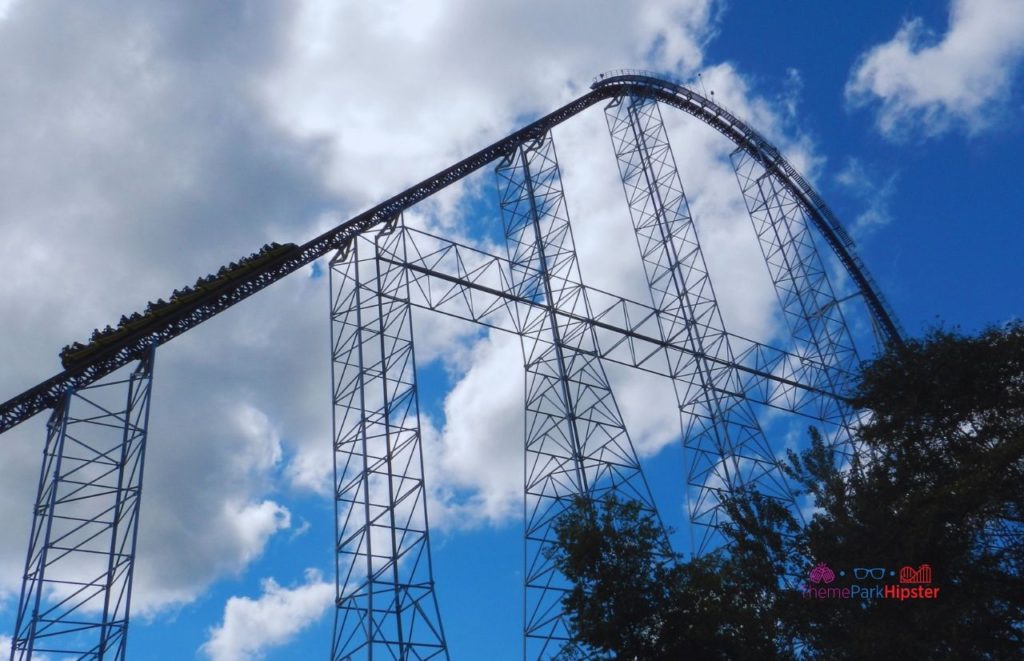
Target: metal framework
<point x="728" y="447"/>
<point x="813" y="314"/>
<point x="385" y="585"/>
<point x="47" y="395"/>
<point x="576" y="442"/>
<point x="463" y="282"/>
<point x="76" y="593"/>
<point x="78" y="575"/>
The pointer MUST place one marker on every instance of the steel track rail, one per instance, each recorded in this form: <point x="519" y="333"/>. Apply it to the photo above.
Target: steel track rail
<point x="645" y="84"/>
<point x="133" y="346"/>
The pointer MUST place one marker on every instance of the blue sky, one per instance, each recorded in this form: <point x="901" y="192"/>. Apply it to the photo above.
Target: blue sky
<point x="145" y="146"/>
<point x="949" y="252"/>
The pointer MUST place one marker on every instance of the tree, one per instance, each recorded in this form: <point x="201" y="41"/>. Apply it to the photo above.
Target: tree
<point x="632" y="598"/>
<point x="938" y="481"/>
<point x="943" y="487"/>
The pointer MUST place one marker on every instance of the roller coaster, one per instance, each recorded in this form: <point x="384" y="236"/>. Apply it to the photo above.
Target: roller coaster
<point x="385" y="603"/>
<point x="142" y="325"/>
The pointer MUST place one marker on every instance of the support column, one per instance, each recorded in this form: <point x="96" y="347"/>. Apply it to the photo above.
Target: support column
<point x="576" y="442"/>
<point x="386" y="604"/>
<point x="76" y="593"/>
<point x="726" y="445"/>
<point x="812" y="312"/>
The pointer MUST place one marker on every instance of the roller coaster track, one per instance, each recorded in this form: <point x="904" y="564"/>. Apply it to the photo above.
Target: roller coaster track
<point x="135" y="345"/>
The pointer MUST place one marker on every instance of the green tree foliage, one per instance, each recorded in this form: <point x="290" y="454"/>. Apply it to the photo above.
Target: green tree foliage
<point x="938" y="481"/>
<point x="632" y="599"/>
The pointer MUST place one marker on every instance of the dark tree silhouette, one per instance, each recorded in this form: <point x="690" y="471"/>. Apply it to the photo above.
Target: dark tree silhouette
<point x="940" y="482"/>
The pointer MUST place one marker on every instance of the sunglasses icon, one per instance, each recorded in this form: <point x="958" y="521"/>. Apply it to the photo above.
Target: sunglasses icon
<point x="877" y="573"/>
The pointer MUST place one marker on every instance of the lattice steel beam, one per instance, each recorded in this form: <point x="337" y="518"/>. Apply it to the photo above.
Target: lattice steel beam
<point x="810" y="308"/>
<point x="650" y="86"/>
<point x="576" y="441"/>
<point x="467" y="283"/>
<point x="728" y="448"/>
<point x="48" y="393"/>
<point x="386" y="604"/>
<point x="76" y="595"/>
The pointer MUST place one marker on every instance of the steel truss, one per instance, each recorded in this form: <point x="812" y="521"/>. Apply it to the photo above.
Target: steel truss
<point x="385" y="588"/>
<point x="87" y="508"/>
<point x="576" y="442"/>
<point x="813" y="314"/>
<point x="48" y="393"/>
<point x="727" y="447"/>
<point x="78" y="575"/>
<point x="466" y="283"/>
<point x="469" y="284"/>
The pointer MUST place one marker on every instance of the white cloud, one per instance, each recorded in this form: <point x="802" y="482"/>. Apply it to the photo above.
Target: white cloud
<point x="7" y="641"/>
<point x="874" y="194"/>
<point x="366" y="116"/>
<point x="159" y="144"/>
<point x="931" y="84"/>
<point x="303" y="528"/>
<point x="262" y="438"/>
<point x="745" y="295"/>
<point x="388" y="124"/>
<point x="255" y="523"/>
<point x="435" y="82"/>
<point x="477" y="456"/>
<point x="136" y="138"/>
<point x="236" y="535"/>
<point x="5" y="7"/>
<point x="311" y="468"/>
<point x="793" y="87"/>
<point x="251" y="626"/>
<point x="475" y="464"/>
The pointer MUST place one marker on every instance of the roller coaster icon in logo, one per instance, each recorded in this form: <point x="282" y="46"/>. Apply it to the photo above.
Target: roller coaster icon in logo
<point x="822" y="574"/>
<point x="922" y="574"/>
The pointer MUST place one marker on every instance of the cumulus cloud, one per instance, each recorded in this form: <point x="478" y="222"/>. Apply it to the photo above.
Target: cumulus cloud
<point x="136" y="137"/>
<point x="5" y="7"/>
<point x="365" y="117"/>
<point x="873" y="191"/>
<point x="150" y="144"/>
<point x="251" y="626"/>
<point x="475" y="463"/>
<point x="923" y="82"/>
<point x="455" y="111"/>
<point x="450" y="76"/>
<point x="7" y="641"/>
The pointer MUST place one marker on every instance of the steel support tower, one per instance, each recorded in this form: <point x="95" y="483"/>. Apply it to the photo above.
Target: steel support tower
<point x="77" y="582"/>
<point x="728" y="448"/>
<point x="812" y="312"/>
<point x="576" y="442"/>
<point x="78" y="575"/>
<point x="386" y="605"/>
